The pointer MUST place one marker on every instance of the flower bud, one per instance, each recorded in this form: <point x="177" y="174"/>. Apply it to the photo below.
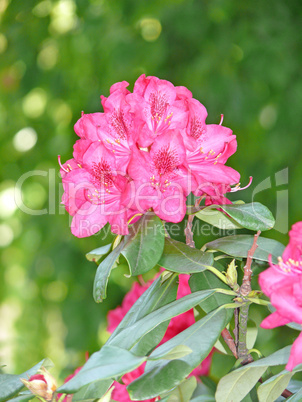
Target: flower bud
<point x="42" y="384"/>
<point x="231" y="276"/>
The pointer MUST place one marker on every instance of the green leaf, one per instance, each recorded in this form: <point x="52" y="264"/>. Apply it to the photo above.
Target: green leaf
<point x="144" y="244"/>
<point x="23" y="397"/>
<point x="175" y="353"/>
<point x="217" y="218"/>
<point x="180" y="258"/>
<point x="161" y="292"/>
<point x="160" y="376"/>
<point x="97" y="253"/>
<point x="183" y="392"/>
<point x="10" y="384"/>
<point x="253" y="216"/>
<point x="235" y="385"/>
<point x="131" y="335"/>
<point x="207" y="280"/>
<point x="109" y="362"/>
<point x="103" y="272"/>
<point x="92" y="391"/>
<point x="239" y="245"/>
<point x="203" y="393"/>
<point x="272" y="388"/>
<point x="251" y="334"/>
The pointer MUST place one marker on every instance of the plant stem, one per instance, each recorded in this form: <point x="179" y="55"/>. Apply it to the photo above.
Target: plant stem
<point x="229" y="341"/>
<point x="245" y="289"/>
<point x="188" y="232"/>
<point x="246" y="282"/>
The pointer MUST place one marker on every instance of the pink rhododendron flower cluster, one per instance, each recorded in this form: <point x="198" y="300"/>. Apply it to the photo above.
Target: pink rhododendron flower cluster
<point x="176" y="325"/>
<point x="148" y="150"/>
<point x="282" y="283"/>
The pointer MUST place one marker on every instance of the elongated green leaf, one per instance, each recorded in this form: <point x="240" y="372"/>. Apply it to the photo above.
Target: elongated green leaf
<point x="175" y="353"/>
<point x="10" y="384"/>
<point x="103" y="273"/>
<point x="239" y="245"/>
<point x="203" y="393"/>
<point x="207" y="280"/>
<point x="109" y="362"/>
<point x="23" y="397"/>
<point x="277" y="358"/>
<point x="183" y="392"/>
<point x="217" y="218"/>
<point x="180" y="258"/>
<point x="253" y="216"/>
<point x="93" y="391"/>
<point x="272" y="388"/>
<point x="131" y="335"/>
<point x="235" y="385"/>
<point x="97" y="253"/>
<point x="162" y="291"/>
<point x="200" y="337"/>
<point x="144" y="244"/>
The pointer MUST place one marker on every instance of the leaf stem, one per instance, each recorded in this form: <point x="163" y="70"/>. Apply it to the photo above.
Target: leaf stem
<point x="216" y="272"/>
<point x="229" y="341"/>
<point x="245" y="289"/>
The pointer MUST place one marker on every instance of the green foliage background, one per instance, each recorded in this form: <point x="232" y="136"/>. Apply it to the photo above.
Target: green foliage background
<point x="242" y="59"/>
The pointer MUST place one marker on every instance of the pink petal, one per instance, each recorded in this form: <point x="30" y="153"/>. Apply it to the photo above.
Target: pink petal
<point x="295" y="357"/>
<point x="88" y="220"/>
<point x="274" y="320"/>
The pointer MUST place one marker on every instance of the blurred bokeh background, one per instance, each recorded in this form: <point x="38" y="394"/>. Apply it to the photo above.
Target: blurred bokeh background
<point x="239" y="58"/>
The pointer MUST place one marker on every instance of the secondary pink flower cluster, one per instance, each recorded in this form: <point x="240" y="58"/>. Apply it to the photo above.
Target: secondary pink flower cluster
<point x="176" y="325"/>
<point x="282" y="283"/>
<point x="148" y="150"/>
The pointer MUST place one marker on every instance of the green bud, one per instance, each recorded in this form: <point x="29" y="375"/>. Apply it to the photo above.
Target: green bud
<point x="231" y="276"/>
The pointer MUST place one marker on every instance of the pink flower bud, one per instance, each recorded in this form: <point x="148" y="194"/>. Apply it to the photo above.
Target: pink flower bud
<point x="42" y="384"/>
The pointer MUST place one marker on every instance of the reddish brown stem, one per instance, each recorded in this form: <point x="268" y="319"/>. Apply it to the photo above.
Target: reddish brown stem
<point x="188" y="232"/>
<point x="229" y="341"/>
<point x="246" y="282"/>
<point x="286" y="393"/>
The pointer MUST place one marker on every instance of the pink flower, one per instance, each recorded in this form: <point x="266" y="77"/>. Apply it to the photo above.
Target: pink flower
<point x="161" y="179"/>
<point x="207" y="161"/>
<point x="282" y="283"/>
<point x="68" y="398"/>
<point x="176" y="325"/>
<point x="156" y="109"/>
<point x="113" y="127"/>
<point x="147" y="151"/>
<point x="93" y="191"/>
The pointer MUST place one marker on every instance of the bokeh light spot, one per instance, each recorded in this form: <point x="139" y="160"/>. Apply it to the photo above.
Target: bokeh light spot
<point x="25" y="139"/>
<point x="7" y="201"/>
<point x="42" y="9"/>
<point x="55" y="291"/>
<point x="61" y="112"/>
<point x="48" y="56"/>
<point x="3" y="43"/>
<point x="3" y="6"/>
<point x="237" y="53"/>
<point x="6" y="235"/>
<point x="63" y="16"/>
<point x="268" y="116"/>
<point x="34" y="196"/>
<point x="150" y="29"/>
<point x="34" y="103"/>
<point x="15" y="276"/>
